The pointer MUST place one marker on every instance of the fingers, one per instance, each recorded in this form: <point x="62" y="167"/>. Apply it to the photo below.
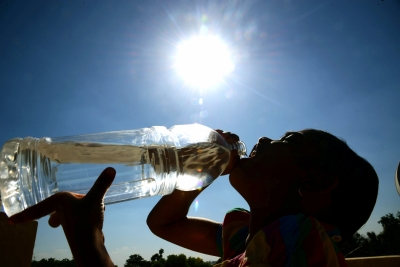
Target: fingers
<point x="234" y="159"/>
<point x="3" y="216"/>
<point x="102" y="184"/>
<point x="228" y="136"/>
<point x="50" y="204"/>
<point x="37" y="211"/>
<point x="232" y="138"/>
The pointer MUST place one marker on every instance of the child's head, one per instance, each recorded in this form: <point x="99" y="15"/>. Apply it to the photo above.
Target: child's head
<point x="312" y="172"/>
<point x="354" y="198"/>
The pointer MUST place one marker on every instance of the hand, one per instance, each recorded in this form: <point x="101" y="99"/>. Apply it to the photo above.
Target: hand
<point x="175" y="226"/>
<point x="230" y="138"/>
<point x="81" y="217"/>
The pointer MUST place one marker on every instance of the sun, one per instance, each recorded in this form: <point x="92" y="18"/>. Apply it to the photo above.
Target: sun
<point x="203" y="61"/>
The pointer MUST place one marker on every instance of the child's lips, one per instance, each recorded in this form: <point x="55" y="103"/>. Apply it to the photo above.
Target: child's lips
<point x="253" y="151"/>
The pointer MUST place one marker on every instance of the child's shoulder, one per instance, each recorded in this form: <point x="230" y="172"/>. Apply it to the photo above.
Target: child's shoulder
<point x="237" y="214"/>
<point x="238" y="210"/>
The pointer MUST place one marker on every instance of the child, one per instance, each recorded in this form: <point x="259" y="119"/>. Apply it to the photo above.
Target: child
<point x="306" y="191"/>
<point x="301" y="190"/>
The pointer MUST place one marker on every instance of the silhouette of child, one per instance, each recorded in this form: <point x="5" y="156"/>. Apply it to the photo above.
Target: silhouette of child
<point x="306" y="191"/>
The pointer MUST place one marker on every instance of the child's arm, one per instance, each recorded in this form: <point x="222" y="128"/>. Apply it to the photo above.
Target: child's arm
<point x="169" y="219"/>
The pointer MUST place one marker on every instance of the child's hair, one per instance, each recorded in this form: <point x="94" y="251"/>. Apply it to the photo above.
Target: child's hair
<point x="355" y="197"/>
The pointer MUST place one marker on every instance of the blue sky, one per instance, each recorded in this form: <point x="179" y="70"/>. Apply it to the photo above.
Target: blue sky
<point x="76" y="67"/>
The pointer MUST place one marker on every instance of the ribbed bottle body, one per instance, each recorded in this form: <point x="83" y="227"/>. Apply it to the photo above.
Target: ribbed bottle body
<point x="142" y="171"/>
<point x="149" y="161"/>
<point x="33" y="169"/>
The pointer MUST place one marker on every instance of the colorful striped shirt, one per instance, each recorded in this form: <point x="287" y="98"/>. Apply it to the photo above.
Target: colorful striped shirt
<point x="293" y="240"/>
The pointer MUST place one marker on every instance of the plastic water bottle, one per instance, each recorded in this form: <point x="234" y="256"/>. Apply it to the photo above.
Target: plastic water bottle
<point x="149" y="161"/>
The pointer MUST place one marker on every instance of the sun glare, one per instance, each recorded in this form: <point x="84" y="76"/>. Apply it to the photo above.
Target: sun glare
<point x="203" y="61"/>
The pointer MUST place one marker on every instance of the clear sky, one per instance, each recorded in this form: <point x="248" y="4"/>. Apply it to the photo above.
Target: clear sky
<point x="76" y="67"/>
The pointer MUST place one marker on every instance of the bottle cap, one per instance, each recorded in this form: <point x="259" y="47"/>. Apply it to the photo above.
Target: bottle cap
<point x="240" y="147"/>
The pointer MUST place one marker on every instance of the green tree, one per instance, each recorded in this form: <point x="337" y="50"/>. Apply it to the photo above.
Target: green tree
<point x="354" y="246"/>
<point x="157" y="259"/>
<point x="159" y="263"/>
<point x="176" y="261"/>
<point x="160" y="252"/>
<point x="157" y="256"/>
<point x="197" y="262"/>
<point x="385" y="243"/>
<point x="51" y="262"/>
<point x="136" y="260"/>
<point x="390" y="236"/>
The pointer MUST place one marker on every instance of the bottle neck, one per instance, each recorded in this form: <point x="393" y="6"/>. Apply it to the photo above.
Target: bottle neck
<point x="240" y="147"/>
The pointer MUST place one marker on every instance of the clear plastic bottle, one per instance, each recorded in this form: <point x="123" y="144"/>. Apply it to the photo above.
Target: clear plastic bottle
<point x="149" y="161"/>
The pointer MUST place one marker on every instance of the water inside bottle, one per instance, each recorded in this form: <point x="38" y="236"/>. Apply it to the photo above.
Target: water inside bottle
<point x="194" y="165"/>
<point x="141" y="171"/>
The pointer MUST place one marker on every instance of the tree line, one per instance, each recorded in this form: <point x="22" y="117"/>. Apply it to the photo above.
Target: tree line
<point x="135" y="260"/>
<point x="387" y="242"/>
<point x="157" y="260"/>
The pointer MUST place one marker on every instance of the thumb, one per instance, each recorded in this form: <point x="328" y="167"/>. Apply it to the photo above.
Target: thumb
<point x="102" y="184"/>
<point x="54" y="220"/>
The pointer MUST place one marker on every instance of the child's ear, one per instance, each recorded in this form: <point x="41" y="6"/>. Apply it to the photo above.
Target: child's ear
<point x="315" y="192"/>
<point x="318" y="184"/>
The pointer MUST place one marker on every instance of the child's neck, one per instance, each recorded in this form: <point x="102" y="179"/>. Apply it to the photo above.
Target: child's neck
<point x="259" y="218"/>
